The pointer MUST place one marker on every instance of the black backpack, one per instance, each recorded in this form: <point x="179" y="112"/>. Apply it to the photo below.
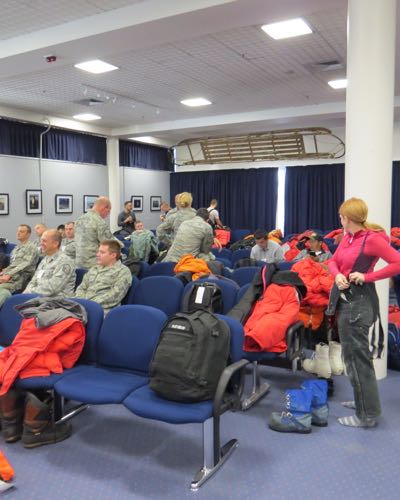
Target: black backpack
<point x="190" y="357"/>
<point x="246" y="262"/>
<point x="205" y="295"/>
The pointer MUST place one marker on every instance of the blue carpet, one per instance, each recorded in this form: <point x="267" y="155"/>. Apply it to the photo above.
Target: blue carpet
<point x="113" y="454"/>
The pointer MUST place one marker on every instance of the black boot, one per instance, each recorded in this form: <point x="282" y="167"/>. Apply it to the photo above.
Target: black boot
<point x="12" y="414"/>
<point x="39" y="428"/>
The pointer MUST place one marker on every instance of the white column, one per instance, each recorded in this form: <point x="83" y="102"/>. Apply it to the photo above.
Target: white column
<point x="369" y="117"/>
<point x="114" y="189"/>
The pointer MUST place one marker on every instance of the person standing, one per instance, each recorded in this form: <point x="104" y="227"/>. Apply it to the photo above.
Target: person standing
<point x="126" y="219"/>
<point x="90" y="230"/>
<point x="214" y="219"/>
<point x="356" y="303"/>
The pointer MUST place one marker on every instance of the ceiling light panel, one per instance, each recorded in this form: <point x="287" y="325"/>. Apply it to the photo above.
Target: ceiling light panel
<point x="87" y="117"/>
<point x="338" y="84"/>
<point x="96" y="66"/>
<point x="287" y="29"/>
<point x="195" y="102"/>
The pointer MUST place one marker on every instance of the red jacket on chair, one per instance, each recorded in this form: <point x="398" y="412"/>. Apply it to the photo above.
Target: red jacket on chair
<point x="265" y="329"/>
<point x="40" y="352"/>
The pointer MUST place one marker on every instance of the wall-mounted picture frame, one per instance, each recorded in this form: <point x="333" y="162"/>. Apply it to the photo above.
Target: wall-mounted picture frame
<point x="137" y="203"/>
<point x="155" y="203"/>
<point x="33" y="201"/>
<point x="88" y="201"/>
<point x="64" y="203"/>
<point x="4" y="204"/>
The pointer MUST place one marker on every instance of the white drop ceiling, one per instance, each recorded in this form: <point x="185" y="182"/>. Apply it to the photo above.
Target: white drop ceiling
<point x="169" y="50"/>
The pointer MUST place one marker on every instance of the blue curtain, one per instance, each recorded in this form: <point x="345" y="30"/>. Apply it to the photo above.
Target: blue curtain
<point x="22" y="139"/>
<point x="246" y="198"/>
<point x="313" y="195"/>
<point x="134" y="154"/>
<point x="396" y="194"/>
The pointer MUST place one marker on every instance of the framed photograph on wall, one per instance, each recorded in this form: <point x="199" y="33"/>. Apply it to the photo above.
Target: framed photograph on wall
<point x="88" y="201"/>
<point x="4" y="204"/>
<point x="64" y="203"/>
<point x="137" y="203"/>
<point x="33" y="201"/>
<point x="155" y="203"/>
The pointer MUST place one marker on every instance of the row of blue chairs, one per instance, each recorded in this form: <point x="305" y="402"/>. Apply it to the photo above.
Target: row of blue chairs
<point x="114" y="369"/>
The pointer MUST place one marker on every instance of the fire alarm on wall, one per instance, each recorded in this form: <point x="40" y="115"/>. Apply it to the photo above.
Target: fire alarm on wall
<point x="50" y="58"/>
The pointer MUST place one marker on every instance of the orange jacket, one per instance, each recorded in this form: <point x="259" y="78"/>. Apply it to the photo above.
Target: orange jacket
<point x="318" y="281"/>
<point x="265" y="329"/>
<point x="189" y="263"/>
<point x="40" y="352"/>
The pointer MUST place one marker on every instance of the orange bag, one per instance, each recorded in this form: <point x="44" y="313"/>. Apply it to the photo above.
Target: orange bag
<point x="223" y="236"/>
<point x="6" y="471"/>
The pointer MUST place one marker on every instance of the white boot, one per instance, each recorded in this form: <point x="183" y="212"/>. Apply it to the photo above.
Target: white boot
<point x="335" y="358"/>
<point x="319" y="363"/>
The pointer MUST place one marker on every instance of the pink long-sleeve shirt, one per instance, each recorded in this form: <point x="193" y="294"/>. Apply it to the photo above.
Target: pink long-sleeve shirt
<point x="376" y="245"/>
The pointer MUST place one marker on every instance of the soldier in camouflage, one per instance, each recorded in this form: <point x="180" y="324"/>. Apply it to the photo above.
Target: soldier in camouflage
<point x="195" y="237"/>
<point x="90" y="230"/>
<point x="39" y="230"/>
<point x="108" y="282"/>
<point x="23" y="262"/>
<point x="168" y="229"/>
<point x="68" y="243"/>
<point x="55" y="275"/>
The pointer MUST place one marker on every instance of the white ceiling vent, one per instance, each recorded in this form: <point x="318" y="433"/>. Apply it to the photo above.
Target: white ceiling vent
<point x="323" y="66"/>
<point x="89" y="102"/>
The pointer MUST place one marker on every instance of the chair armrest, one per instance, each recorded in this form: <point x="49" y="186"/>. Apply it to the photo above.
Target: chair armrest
<point x="294" y="330"/>
<point x="218" y="406"/>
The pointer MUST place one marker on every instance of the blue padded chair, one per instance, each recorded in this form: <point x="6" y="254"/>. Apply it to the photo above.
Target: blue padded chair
<point x="10" y="320"/>
<point x="332" y="248"/>
<point x="95" y="316"/>
<point x="125" y="348"/>
<point x="329" y="241"/>
<point x="239" y="234"/>
<point x="224" y="253"/>
<point x="243" y="253"/>
<point x="242" y="290"/>
<point x="145" y="403"/>
<point x="80" y="273"/>
<point x="228" y="289"/>
<point x="285" y="266"/>
<point x="129" y="294"/>
<point x="9" y="248"/>
<point x="160" y="269"/>
<point x="244" y="275"/>
<point x="161" y="292"/>
<point x="225" y="262"/>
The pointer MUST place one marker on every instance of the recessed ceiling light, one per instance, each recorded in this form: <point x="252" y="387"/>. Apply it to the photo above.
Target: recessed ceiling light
<point x="196" y="101"/>
<point x="338" y="84"/>
<point x="287" y="29"/>
<point x="143" y="138"/>
<point x="96" y="66"/>
<point x="87" y="117"/>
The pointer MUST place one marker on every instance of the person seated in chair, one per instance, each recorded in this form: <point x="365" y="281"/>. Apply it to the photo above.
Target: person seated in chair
<point x="23" y="262"/>
<point x="126" y="219"/>
<point x="68" y="242"/>
<point x="109" y="280"/>
<point x="316" y="251"/>
<point x="55" y="275"/>
<point x="265" y="249"/>
<point x="144" y="244"/>
<point x="39" y="230"/>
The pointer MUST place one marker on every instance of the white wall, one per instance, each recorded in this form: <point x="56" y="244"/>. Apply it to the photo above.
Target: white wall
<point x="146" y="183"/>
<point x="18" y="174"/>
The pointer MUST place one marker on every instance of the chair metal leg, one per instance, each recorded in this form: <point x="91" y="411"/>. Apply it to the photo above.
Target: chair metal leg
<point x="212" y="459"/>
<point x="258" y="390"/>
<point x="73" y="412"/>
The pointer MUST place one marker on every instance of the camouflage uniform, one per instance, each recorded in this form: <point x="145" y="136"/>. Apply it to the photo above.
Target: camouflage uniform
<point x="68" y="247"/>
<point x="90" y="230"/>
<point x="168" y="229"/>
<point x="143" y="243"/>
<point x="23" y="262"/>
<point x="55" y="276"/>
<point x="195" y="237"/>
<point x="106" y="285"/>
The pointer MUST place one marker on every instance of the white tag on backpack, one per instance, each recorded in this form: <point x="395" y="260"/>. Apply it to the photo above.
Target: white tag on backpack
<point x="199" y="295"/>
